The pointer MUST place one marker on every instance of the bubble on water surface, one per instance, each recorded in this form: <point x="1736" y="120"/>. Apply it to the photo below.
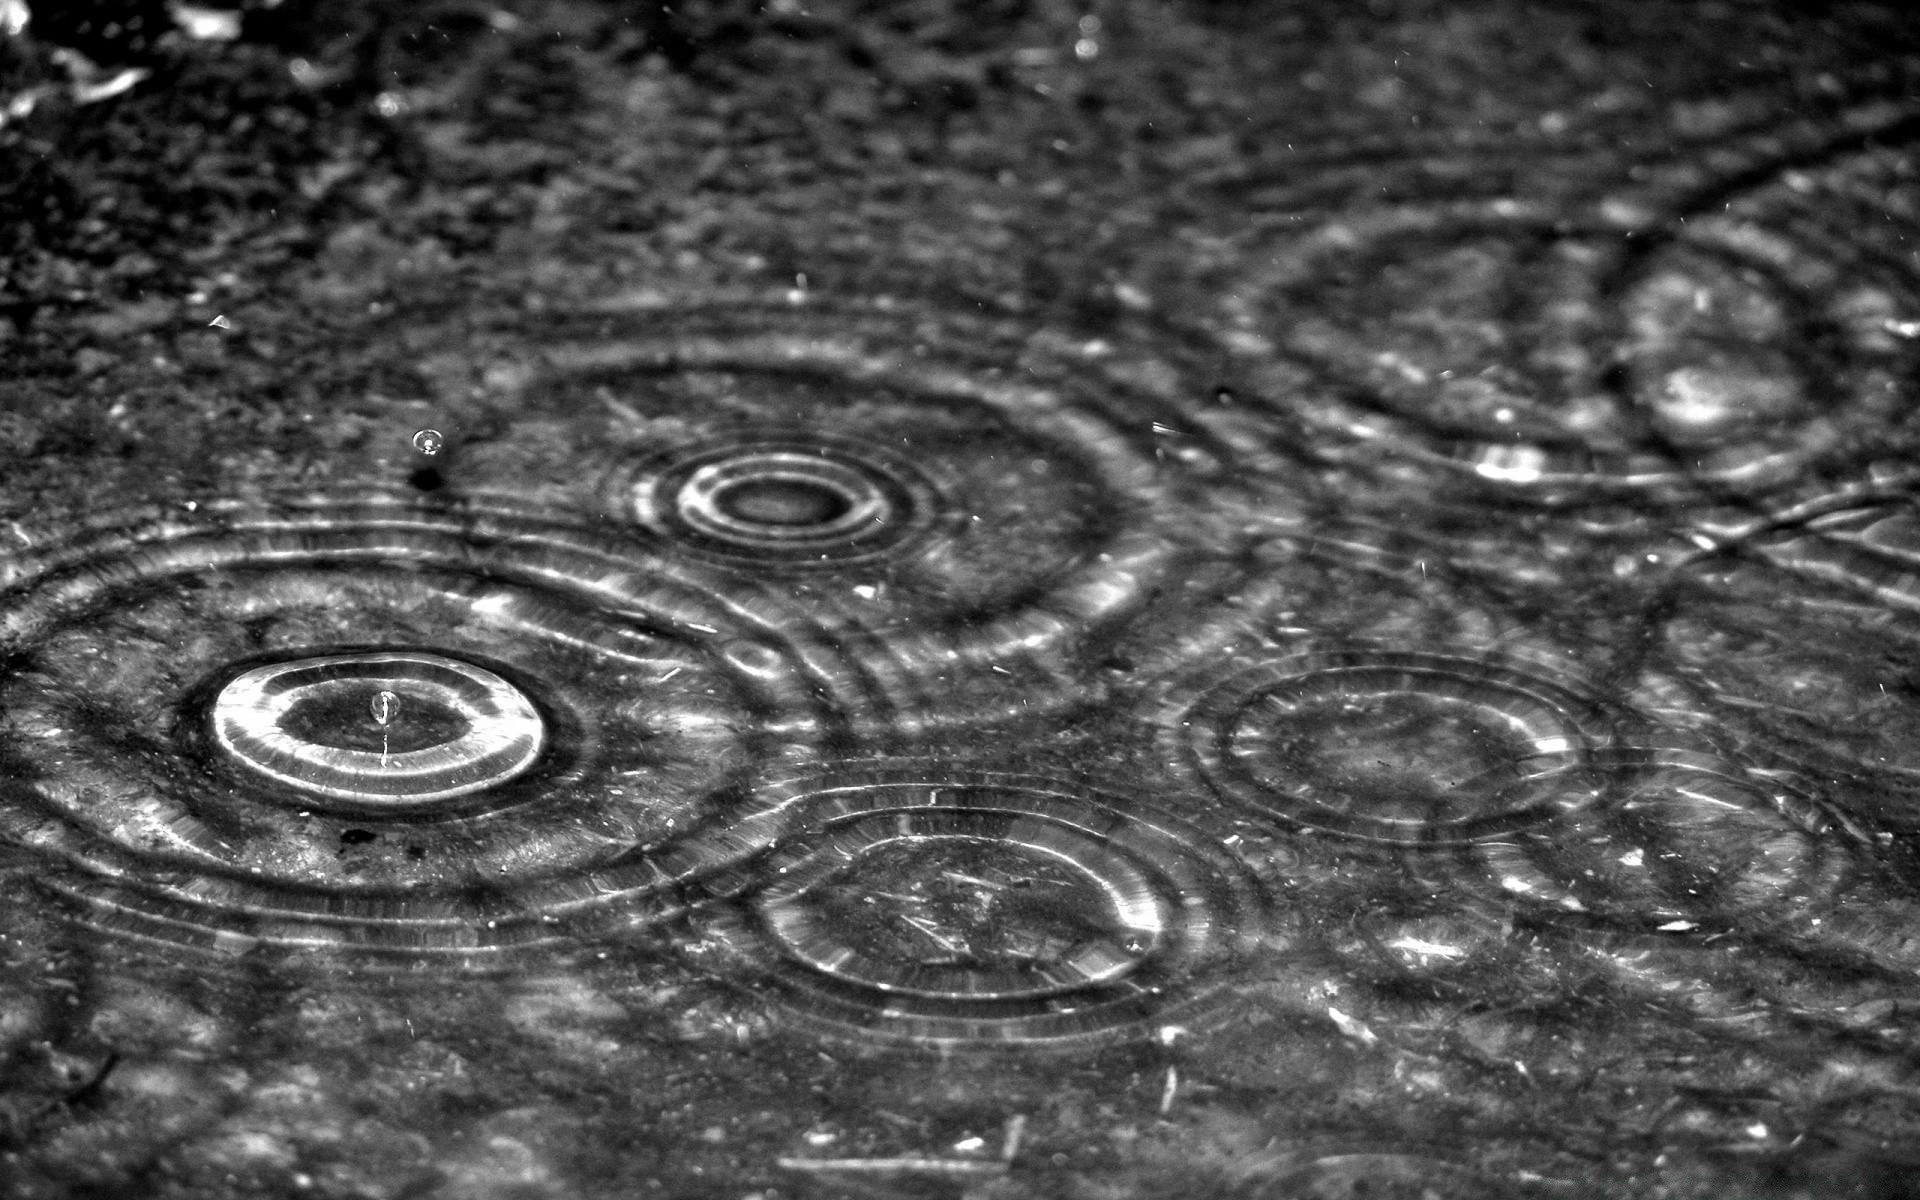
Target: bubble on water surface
<point x="499" y="734"/>
<point x="429" y="442"/>
<point x="1388" y="746"/>
<point x="190" y="724"/>
<point x="950" y="907"/>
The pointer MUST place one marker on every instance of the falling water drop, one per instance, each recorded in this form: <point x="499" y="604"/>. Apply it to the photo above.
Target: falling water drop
<point x="385" y="705"/>
<point x="429" y="442"/>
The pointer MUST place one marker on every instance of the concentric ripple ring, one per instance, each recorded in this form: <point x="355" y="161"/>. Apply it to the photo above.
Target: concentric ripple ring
<point x="956" y="907"/>
<point x="1717" y="324"/>
<point x="793" y="501"/>
<point x="1678" y="841"/>
<point x="374" y="726"/>
<point x="1390" y="746"/>
<point x="504" y="733"/>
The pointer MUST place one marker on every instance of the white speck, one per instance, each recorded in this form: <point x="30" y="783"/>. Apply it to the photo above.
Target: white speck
<point x="1168" y="1034"/>
<point x="220" y="322"/>
<point x="14" y="17"/>
<point x="106" y="89"/>
<point x="970" y="1145"/>
<point x="494" y="605"/>
<point x="1757" y="1130"/>
<point x="1512" y="464"/>
<point x="207" y="24"/>
<point x="822" y="1137"/>
<point x="1678" y="926"/>
<point x="1351" y="1027"/>
<point x="866" y="591"/>
<point x="1085" y="48"/>
<point x="389" y="104"/>
<point x="702" y="628"/>
<point x="1634" y="858"/>
<point x="1905" y="329"/>
<point x="1418" y="946"/>
<point x="669" y="674"/>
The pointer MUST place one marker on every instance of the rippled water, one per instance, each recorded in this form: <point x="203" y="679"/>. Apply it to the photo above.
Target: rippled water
<point x="1437" y="661"/>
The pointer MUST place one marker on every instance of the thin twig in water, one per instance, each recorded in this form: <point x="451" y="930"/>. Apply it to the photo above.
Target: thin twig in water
<point x="902" y="1165"/>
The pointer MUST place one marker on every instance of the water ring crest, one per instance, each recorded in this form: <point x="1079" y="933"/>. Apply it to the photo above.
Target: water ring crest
<point x="1391" y="746"/>
<point x="947" y="907"/>
<point x="795" y="501"/>
<point x="503" y="733"/>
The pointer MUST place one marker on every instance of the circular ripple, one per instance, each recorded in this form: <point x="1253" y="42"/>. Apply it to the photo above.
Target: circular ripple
<point x="1676" y="841"/>
<point x="289" y="721"/>
<point x="192" y="742"/>
<point x="1390" y="746"/>
<point x="1724" y="324"/>
<point x="939" y="906"/>
<point x="1785" y="667"/>
<point x="1869" y="544"/>
<point x="802" y="500"/>
<point x="962" y="502"/>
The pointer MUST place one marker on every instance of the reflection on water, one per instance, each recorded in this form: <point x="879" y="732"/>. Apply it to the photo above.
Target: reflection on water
<point x="1417" y="697"/>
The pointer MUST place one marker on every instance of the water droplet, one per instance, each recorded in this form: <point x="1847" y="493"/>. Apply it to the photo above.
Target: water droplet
<point x="429" y="442"/>
<point x="385" y="707"/>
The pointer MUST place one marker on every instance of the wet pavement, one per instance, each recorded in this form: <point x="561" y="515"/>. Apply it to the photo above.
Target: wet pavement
<point x="991" y="600"/>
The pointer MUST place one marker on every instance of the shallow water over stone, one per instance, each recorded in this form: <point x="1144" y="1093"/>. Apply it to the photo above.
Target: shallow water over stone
<point x="978" y="601"/>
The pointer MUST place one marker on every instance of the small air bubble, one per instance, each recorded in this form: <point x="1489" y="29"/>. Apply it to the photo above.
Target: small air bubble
<point x="429" y="442"/>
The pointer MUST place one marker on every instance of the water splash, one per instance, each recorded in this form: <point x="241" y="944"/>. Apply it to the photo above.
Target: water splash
<point x="497" y="736"/>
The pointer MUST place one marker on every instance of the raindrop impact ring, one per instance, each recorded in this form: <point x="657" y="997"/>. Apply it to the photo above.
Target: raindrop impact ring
<point x="498" y="734"/>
